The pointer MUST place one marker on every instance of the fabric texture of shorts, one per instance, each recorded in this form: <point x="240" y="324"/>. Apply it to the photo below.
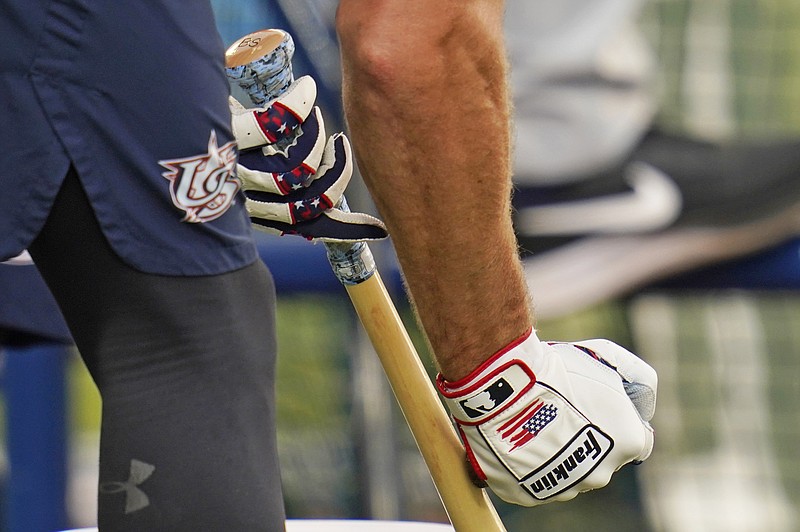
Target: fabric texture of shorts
<point x="134" y="96"/>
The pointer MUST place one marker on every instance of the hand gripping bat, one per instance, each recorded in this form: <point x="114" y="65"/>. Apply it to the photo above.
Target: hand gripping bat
<point x="260" y="63"/>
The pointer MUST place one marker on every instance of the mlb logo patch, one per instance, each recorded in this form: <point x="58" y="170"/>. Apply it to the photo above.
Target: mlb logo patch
<point x="492" y="395"/>
<point x="488" y="399"/>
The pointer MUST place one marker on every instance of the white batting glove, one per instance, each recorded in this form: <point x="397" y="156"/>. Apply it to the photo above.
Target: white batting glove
<point x="293" y="176"/>
<point x="544" y="421"/>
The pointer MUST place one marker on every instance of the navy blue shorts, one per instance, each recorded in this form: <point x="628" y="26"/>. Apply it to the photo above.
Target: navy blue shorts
<point x="134" y="96"/>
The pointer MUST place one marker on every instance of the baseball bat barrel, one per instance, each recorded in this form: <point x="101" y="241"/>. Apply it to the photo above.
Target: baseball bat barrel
<point x="261" y="64"/>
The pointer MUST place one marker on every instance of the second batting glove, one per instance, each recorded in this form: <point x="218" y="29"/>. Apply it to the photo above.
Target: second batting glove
<point x="544" y="421"/>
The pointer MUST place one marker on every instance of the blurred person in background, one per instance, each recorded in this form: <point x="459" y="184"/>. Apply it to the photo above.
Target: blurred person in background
<point x="606" y="199"/>
<point x="654" y="138"/>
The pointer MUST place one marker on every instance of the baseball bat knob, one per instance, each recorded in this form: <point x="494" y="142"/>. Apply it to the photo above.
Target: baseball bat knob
<point x="261" y="64"/>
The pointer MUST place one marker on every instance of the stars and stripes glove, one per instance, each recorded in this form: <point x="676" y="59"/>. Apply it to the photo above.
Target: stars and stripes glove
<point x="544" y="421"/>
<point x="293" y="176"/>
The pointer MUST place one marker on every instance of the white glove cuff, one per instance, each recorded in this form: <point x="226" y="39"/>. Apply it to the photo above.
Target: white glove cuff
<point x="469" y="399"/>
<point x="247" y="131"/>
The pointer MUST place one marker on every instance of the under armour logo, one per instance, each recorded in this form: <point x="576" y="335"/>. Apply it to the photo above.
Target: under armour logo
<point x="135" y="499"/>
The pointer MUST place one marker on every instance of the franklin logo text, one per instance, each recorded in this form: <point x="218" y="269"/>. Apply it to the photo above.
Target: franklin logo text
<point x="571" y="465"/>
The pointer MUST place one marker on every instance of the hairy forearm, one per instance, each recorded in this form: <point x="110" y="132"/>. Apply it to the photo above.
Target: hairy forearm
<point x="427" y="104"/>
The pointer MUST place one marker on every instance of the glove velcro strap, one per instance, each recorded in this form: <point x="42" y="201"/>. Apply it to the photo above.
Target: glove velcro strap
<point x="308" y="203"/>
<point x="489" y="396"/>
<point x="494" y="385"/>
<point x="262" y="126"/>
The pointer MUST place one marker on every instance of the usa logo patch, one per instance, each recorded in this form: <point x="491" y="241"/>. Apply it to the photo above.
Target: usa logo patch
<point x="203" y="186"/>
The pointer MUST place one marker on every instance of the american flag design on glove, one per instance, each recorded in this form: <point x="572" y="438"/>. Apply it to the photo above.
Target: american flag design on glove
<point x="308" y="209"/>
<point x="295" y="179"/>
<point x="277" y="121"/>
<point x="526" y="425"/>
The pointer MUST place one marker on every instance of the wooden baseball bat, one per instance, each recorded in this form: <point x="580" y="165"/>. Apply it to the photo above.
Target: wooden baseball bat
<point x="467" y="506"/>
